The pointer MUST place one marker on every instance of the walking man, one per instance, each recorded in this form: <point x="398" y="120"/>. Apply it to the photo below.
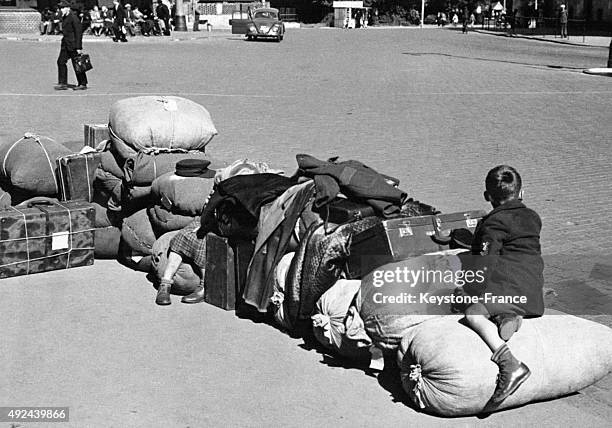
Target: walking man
<point x="119" y="17"/>
<point x="72" y="42"/>
<point x="563" y="21"/>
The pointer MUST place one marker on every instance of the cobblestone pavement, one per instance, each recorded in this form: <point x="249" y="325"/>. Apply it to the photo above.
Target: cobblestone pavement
<point x="436" y="109"/>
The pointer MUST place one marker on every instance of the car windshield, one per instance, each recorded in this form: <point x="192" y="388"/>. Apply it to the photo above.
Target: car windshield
<point x="266" y="14"/>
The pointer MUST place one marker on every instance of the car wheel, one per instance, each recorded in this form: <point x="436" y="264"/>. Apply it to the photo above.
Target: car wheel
<point x="281" y="37"/>
<point x="249" y="38"/>
<point x="278" y="39"/>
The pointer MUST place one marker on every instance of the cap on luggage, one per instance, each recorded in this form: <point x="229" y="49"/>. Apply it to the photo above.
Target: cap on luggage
<point x="194" y="168"/>
<point x="62" y="4"/>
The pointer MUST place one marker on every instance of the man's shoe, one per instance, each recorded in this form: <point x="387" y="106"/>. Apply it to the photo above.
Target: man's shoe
<point x="80" y="88"/>
<point x="195" y="297"/>
<point x="512" y="374"/>
<point x="60" y="87"/>
<point x="507" y="325"/>
<point x="163" y="295"/>
<point x="115" y="40"/>
<point x="123" y="40"/>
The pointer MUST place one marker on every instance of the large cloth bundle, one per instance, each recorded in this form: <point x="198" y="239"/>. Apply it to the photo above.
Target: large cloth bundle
<point x="107" y="242"/>
<point x="186" y="280"/>
<point x="5" y="198"/>
<point x="164" y="221"/>
<point x="386" y="309"/>
<point x="184" y="195"/>
<point x="145" y="122"/>
<point x="446" y="367"/>
<point x="337" y="324"/>
<point x="137" y="233"/>
<point x="29" y="163"/>
<point x="142" y="168"/>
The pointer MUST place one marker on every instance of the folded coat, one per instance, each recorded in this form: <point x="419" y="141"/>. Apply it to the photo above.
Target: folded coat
<point x="355" y="180"/>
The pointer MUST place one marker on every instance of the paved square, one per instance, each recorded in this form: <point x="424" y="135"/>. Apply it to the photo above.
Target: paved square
<point x="435" y="108"/>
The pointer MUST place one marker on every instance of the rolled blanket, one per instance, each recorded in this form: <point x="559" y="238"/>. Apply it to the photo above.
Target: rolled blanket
<point x="5" y="197"/>
<point x="109" y="164"/>
<point x="161" y="122"/>
<point x="29" y="163"/>
<point x="107" y="242"/>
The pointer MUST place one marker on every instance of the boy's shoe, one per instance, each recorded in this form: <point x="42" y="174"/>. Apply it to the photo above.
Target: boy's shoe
<point x="163" y="294"/>
<point x="507" y="325"/>
<point x="80" y="88"/>
<point x="196" y="297"/>
<point x="61" y="87"/>
<point x="512" y="374"/>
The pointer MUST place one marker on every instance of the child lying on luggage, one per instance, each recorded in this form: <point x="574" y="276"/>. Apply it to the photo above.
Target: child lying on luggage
<point x="509" y="239"/>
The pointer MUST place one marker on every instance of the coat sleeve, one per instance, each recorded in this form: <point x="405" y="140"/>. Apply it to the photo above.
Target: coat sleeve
<point x="78" y="34"/>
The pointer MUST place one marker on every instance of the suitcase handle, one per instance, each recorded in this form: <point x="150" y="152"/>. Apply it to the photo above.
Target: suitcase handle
<point x="39" y="200"/>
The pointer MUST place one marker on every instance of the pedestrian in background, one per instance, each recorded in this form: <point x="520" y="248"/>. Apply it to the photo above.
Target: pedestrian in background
<point x="163" y="15"/>
<point x="72" y="42"/>
<point x="118" y="22"/>
<point x="563" y="21"/>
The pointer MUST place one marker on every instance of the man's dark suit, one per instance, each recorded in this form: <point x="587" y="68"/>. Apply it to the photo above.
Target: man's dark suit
<point x="71" y="42"/>
<point x="119" y="23"/>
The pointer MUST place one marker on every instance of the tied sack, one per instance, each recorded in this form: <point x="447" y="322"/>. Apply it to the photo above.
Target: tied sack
<point x="186" y="279"/>
<point x="183" y="195"/>
<point x="446" y="368"/>
<point x="337" y="324"/>
<point x="386" y="308"/>
<point x="29" y="163"/>
<point x="141" y="123"/>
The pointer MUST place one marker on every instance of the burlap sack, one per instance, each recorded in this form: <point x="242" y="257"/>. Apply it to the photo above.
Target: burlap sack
<point x="29" y="163"/>
<point x="106" y="241"/>
<point x="142" y="168"/>
<point x="446" y="367"/>
<point x="164" y="221"/>
<point x="184" y="195"/>
<point x="161" y="122"/>
<point x="137" y="233"/>
<point x="186" y="280"/>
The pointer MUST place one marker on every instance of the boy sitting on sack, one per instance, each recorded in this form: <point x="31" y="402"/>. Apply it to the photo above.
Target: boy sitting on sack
<point x="507" y="245"/>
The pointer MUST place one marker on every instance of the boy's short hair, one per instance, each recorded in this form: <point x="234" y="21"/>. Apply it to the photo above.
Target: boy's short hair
<point x="503" y="183"/>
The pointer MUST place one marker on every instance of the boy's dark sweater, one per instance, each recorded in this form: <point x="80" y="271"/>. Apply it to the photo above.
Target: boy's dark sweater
<point x="509" y="239"/>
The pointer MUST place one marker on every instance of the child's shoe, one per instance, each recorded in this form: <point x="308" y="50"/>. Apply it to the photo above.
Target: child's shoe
<point x="512" y="374"/>
<point x="507" y="325"/>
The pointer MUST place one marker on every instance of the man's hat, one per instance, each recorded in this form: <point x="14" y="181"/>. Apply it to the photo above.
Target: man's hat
<point x="62" y="4"/>
<point x="194" y="168"/>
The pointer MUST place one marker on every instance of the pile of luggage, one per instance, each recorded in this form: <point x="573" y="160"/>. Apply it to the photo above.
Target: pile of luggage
<point x="309" y="251"/>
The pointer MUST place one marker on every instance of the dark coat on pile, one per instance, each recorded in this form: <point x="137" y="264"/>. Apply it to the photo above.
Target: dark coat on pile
<point x="233" y="209"/>
<point x="507" y="243"/>
<point x="355" y="180"/>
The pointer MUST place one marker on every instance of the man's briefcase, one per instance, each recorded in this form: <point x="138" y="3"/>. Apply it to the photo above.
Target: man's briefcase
<point x="82" y="63"/>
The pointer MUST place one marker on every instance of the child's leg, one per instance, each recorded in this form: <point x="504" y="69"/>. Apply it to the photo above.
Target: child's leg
<point x="477" y="317"/>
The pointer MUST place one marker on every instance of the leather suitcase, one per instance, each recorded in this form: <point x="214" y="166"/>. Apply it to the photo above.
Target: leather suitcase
<point x="342" y="210"/>
<point x="390" y="240"/>
<point x="459" y="220"/>
<point x="76" y="175"/>
<point x="95" y="133"/>
<point x="227" y="262"/>
<point x="401" y="238"/>
<point x="45" y="236"/>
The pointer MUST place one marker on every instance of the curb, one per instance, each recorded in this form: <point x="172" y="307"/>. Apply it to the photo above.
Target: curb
<point x="541" y="39"/>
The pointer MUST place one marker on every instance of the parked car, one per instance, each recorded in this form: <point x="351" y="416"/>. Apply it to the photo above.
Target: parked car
<point x="265" y="23"/>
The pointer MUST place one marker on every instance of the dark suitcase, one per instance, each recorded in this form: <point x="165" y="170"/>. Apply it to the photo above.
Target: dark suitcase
<point x="95" y="133"/>
<point x="46" y="236"/>
<point x="226" y="267"/>
<point x="401" y="238"/>
<point x="459" y="220"/>
<point x="390" y="240"/>
<point x="76" y="175"/>
<point x="342" y="210"/>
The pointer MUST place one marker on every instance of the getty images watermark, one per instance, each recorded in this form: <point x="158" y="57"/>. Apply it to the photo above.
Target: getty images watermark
<point x="403" y="285"/>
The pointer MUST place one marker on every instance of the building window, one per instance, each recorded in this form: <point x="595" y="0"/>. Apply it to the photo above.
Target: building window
<point x="8" y="3"/>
